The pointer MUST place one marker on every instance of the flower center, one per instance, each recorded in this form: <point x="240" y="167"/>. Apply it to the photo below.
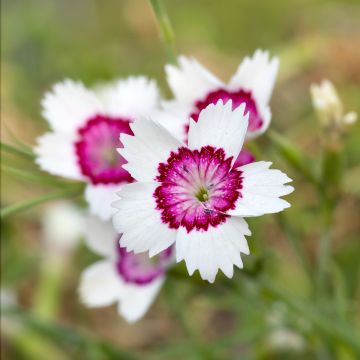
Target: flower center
<point x="139" y="268"/>
<point x="96" y="150"/>
<point x="237" y="97"/>
<point x="196" y="188"/>
<point x="202" y="195"/>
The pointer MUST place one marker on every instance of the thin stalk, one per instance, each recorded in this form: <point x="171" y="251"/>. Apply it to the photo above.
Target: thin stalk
<point x="295" y="243"/>
<point x="16" y="208"/>
<point x="67" y="337"/>
<point x="47" y="297"/>
<point x="178" y="307"/>
<point x="335" y="330"/>
<point x="293" y="156"/>
<point x="324" y="248"/>
<point x="165" y="28"/>
<point x="33" y="176"/>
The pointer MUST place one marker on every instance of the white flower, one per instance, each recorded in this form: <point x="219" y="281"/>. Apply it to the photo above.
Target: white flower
<point x="329" y="107"/>
<point x="283" y="339"/>
<point x="194" y="88"/>
<point x="122" y="277"/>
<point x="62" y="227"/>
<point x="85" y="132"/>
<point x="193" y="195"/>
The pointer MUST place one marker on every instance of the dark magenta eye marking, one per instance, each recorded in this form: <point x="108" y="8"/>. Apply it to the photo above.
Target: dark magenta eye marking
<point x="96" y="150"/>
<point x="237" y="97"/>
<point x="196" y="188"/>
<point x="140" y="269"/>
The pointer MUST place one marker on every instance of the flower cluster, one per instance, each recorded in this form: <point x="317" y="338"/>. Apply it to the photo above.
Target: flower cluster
<point x="183" y="180"/>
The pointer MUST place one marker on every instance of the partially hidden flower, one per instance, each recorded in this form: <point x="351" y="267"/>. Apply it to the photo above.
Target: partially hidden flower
<point x="329" y="106"/>
<point x="193" y="195"/>
<point x="62" y="228"/>
<point x="130" y="280"/>
<point x="194" y="88"/>
<point x="85" y="126"/>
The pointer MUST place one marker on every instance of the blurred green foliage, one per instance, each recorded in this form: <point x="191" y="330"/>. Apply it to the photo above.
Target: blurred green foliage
<point x="44" y="41"/>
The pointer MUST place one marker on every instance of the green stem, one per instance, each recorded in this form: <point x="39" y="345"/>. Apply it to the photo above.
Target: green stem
<point x="67" y="337"/>
<point x="293" y="155"/>
<point x="177" y="306"/>
<point x="295" y="243"/>
<point x="165" y="28"/>
<point x="47" y="297"/>
<point x="33" y="176"/>
<point x="324" y="248"/>
<point x="16" y="208"/>
<point x="340" y="332"/>
<point x="31" y="345"/>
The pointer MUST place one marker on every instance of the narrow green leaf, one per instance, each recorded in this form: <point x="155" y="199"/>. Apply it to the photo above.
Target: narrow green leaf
<point x="293" y="155"/>
<point x="68" y="337"/>
<point x="335" y="330"/>
<point x="165" y="28"/>
<point x="27" y="153"/>
<point x="33" y="176"/>
<point x="16" y="208"/>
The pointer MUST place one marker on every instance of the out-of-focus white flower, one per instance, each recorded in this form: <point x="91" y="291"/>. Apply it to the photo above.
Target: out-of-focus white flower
<point x="85" y="132"/>
<point x="132" y="281"/>
<point x="7" y="298"/>
<point x="284" y="339"/>
<point x="194" y="88"/>
<point x="329" y="107"/>
<point x="193" y="195"/>
<point x="9" y="325"/>
<point x="62" y="225"/>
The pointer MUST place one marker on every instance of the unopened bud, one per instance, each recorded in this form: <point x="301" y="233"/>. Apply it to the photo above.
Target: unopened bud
<point x="329" y="107"/>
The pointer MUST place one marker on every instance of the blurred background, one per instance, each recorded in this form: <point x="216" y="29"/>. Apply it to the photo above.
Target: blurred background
<point x="44" y="41"/>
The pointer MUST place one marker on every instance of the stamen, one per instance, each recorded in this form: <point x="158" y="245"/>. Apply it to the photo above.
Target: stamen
<point x="202" y="195"/>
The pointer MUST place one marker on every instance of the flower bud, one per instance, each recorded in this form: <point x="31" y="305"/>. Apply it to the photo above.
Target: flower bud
<point x="329" y="107"/>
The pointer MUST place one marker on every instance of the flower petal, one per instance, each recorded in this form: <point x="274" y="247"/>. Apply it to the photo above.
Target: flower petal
<point x="150" y="145"/>
<point x="100" y="198"/>
<point x="140" y="222"/>
<point x="138" y="298"/>
<point x="221" y="127"/>
<point x="265" y="114"/>
<point x="56" y="154"/>
<point x="256" y="74"/>
<point x="100" y="284"/>
<point x="190" y="81"/>
<point x="261" y="190"/>
<point x="100" y="237"/>
<point x="245" y="157"/>
<point x="69" y="105"/>
<point x="217" y="248"/>
<point x="131" y="97"/>
<point x="174" y="117"/>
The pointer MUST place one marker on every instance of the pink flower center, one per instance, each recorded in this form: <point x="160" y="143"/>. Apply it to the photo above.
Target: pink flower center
<point x="139" y="268"/>
<point x="197" y="188"/>
<point x="96" y="150"/>
<point x="237" y="97"/>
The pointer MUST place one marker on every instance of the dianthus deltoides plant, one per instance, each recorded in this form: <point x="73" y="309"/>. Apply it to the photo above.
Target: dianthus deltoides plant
<point x="166" y="188"/>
